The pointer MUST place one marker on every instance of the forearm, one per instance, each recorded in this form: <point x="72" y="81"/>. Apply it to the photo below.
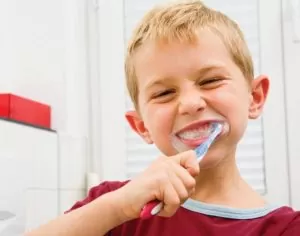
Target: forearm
<point x="93" y="219"/>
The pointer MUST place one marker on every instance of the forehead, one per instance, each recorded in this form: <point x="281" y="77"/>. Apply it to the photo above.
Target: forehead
<point x="180" y="59"/>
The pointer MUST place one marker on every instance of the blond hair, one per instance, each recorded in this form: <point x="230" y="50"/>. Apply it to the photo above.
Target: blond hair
<point x="182" y="21"/>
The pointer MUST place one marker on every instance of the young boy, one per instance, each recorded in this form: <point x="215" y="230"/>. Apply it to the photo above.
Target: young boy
<point x="187" y="66"/>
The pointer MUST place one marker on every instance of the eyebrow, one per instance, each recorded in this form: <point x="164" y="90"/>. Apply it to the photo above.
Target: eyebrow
<point x="159" y="81"/>
<point x="211" y="68"/>
<point x="199" y="73"/>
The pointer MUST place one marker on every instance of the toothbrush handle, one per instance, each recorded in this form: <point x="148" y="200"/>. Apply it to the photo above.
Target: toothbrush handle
<point x="150" y="209"/>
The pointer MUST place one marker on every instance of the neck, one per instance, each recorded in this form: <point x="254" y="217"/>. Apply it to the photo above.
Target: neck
<point x="223" y="185"/>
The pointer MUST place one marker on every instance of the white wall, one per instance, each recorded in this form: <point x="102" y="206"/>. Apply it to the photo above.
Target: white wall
<point x="44" y="56"/>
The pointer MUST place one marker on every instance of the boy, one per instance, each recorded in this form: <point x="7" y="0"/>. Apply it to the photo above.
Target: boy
<point x="187" y="66"/>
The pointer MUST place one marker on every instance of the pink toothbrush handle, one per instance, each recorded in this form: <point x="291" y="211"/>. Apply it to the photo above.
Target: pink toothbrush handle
<point x="151" y="208"/>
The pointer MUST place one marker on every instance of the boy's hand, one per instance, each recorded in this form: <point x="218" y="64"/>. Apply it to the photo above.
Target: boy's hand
<point x="168" y="179"/>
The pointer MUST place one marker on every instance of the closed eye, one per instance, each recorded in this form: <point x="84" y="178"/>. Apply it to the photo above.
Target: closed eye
<point x="163" y="93"/>
<point x="210" y="81"/>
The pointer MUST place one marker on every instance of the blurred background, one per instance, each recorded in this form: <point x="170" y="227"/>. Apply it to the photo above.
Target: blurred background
<point x="69" y="55"/>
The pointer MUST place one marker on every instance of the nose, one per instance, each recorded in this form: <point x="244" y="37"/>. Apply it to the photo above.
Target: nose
<point x="191" y="102"/>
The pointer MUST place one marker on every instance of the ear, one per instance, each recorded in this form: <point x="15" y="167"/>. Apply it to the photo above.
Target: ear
<point x="259" y="93"/>
<point x="137" y="124"/>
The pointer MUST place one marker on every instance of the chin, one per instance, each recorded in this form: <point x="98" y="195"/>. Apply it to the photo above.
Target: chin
<point x="215" y="160"/>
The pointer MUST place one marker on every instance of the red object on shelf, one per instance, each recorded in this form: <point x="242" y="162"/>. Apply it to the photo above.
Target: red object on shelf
<point x="25" y="110"/>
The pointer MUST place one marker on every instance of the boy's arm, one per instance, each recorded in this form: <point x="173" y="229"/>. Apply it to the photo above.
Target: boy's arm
<point x="96" y="218"/>
<point x="169" y="179"/>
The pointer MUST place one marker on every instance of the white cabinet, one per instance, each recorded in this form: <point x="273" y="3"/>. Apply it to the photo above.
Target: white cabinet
<point x="42" y="174"/>
<point x="28" y="163"/>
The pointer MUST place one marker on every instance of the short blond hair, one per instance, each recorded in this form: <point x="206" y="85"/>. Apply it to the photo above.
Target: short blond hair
<point x="182" y="21"/>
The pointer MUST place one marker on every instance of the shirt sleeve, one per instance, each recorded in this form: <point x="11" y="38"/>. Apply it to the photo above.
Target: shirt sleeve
<point x="293" y="229"/>
<point x="97" y="191"/>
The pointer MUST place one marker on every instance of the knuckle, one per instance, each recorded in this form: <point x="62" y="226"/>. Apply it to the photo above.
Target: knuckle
<point x="162" y="178"/>
<point x="197" y="169"/>
<point x="170" y="162"/>
<point x="170" y="213"/>
<point x="159" y="160"/>
<point x="190" y="182"/>
<point x="191" y="154"/>
<point x="175" y="201"/>
<point x="165" y="165"/>
<point x="184" y="195"/>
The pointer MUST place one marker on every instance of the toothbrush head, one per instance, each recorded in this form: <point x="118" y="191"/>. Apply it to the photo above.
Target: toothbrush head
<point x="181" y="147"/>
<point x="202" y="149"/>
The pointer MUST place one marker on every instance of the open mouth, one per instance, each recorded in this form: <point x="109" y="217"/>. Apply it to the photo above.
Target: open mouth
<point x="195" y="134"/>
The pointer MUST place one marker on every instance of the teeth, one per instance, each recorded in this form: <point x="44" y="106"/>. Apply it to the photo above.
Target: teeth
<point x="201" y="132"/>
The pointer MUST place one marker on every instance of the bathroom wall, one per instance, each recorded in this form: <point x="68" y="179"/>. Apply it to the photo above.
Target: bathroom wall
<point x="43" y="56"/>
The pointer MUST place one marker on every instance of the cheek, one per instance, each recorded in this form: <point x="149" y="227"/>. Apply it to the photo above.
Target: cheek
<point x="159" y="120"/>
<point x="233" y="105"/>
<point x="231" y="102"/>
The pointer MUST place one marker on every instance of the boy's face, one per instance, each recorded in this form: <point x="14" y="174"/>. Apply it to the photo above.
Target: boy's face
<point x="184" y="87"/>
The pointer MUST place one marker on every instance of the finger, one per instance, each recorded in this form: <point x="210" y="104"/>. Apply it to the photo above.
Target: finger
<point x="185" y="178"/>
<point x="171" y="201"/>
<point x="189" y="161"/>
<point x="178" y="185"/>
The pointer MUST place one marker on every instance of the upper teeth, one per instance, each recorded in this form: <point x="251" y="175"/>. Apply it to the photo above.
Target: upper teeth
<point x="200" y="132"/>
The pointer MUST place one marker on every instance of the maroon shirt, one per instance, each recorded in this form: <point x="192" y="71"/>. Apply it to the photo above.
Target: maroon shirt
<point x="196" y="218"/>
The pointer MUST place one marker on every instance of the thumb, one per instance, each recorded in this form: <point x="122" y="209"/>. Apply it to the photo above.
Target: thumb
<point x="188" y="160"/>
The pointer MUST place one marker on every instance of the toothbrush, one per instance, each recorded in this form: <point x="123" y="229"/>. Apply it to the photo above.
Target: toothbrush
<point x="154" y="207"/>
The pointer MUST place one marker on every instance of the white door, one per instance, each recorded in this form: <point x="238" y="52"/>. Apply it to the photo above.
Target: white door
<point x="262" y="155"/>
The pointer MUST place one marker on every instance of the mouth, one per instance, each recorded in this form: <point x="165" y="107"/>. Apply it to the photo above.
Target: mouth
<point x="195" y="134"/>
